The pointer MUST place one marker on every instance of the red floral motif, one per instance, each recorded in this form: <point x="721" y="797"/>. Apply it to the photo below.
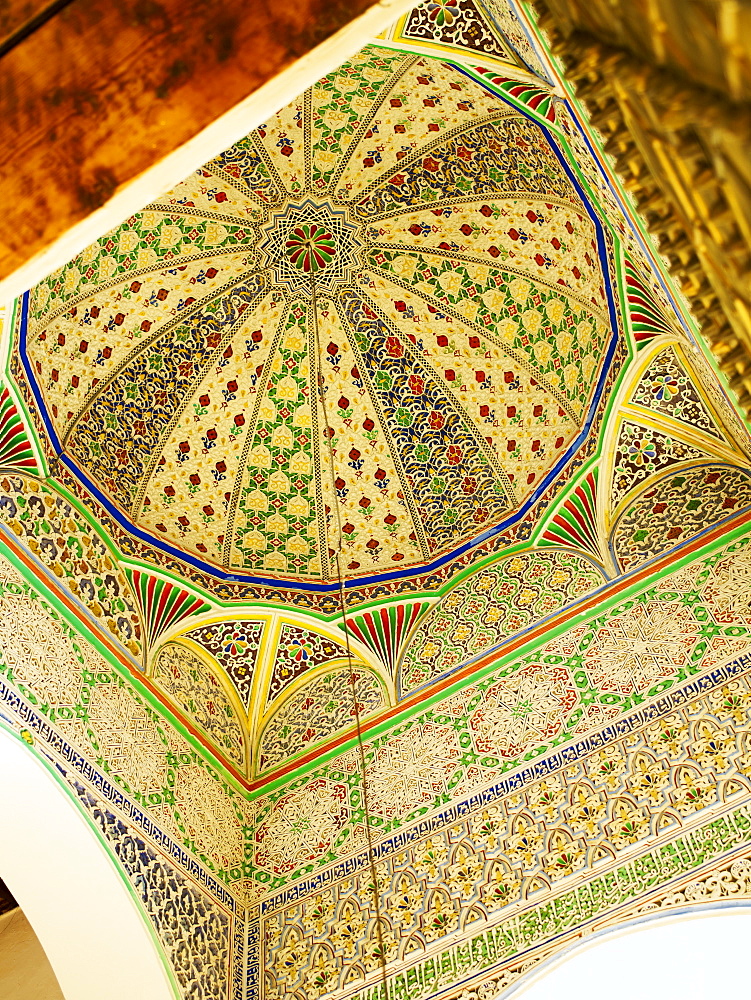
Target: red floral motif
<point x="436" y="420"/>
<point x="394" y="347"/>
<point x="416" y="384"/>
<point x="454" y="454"/>
<point x="469" y="484"/>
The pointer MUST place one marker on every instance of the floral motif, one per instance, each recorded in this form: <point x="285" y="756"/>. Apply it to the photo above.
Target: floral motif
<point x="529" y="706"/>
<point x="176" y="356"/>
<point x="667" y="387"/>
<point x="235" y="646"/>
<point x="442" y="11"/>
<point x="498" y="601"/>
<point x="677" y="507"/>
<point x="310" y="247"/>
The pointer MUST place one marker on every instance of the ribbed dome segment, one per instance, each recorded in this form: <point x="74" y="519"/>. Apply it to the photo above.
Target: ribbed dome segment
<point x="396" y="268"/>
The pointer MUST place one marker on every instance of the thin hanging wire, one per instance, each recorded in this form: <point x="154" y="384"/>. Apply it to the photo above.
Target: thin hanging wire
<point x="352" y="681"/>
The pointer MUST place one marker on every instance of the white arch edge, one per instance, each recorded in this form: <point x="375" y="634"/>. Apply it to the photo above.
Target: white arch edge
<point x="578" y="947"/>
<point x="70" y="887"/>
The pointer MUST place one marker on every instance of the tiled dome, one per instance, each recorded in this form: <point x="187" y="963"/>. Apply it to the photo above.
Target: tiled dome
<point x="393" y="294"/>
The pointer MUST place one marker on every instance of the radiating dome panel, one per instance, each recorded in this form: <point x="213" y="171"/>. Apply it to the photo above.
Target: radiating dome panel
<point x="376" y="324"/>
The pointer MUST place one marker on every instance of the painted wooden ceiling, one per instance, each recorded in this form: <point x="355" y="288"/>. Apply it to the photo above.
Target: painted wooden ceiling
<point x="412" y="315"/>
<point x="378" y="324"/>
<point x="400" y="347"/>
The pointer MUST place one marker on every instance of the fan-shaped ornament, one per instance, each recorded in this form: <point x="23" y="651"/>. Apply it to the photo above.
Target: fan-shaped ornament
<point x="389" y="298"/>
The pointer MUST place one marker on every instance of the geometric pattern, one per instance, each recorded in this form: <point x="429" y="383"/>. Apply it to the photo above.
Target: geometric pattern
<point x="371" y="299"/>
<point x="234" y="645"/>
<point x="502" y="599"/>
<point x="311" y="243"/>
<point x="529" y="707"/>
<point x="640" y="647"/>
<point x="407" y="771"/>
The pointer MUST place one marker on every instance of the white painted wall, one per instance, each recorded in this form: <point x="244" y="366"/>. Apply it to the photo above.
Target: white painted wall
<point x="692" y="956"/>
<point x="95" y="936"/>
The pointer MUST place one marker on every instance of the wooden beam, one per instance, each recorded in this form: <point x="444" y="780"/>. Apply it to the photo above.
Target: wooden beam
<point x="101" y="91"/>
<point x="19" y="18"/>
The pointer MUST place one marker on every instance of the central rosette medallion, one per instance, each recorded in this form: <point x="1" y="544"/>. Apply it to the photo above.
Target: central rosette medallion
<point x="311" y="242"/>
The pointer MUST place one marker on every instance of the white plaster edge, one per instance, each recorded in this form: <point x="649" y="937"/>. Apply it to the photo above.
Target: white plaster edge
<point x="543" y="980"/>
<point x="90" y="927"/>
<point x="226" y="130"/>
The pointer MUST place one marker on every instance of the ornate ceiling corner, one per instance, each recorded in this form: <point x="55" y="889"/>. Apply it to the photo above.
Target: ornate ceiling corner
<point x="677" y="126"/>
<point x="379" y="581"/>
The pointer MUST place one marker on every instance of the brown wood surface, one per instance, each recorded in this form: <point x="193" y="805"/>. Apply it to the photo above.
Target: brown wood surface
<point x="15" y="15"/>
<point x="106" y="88"/>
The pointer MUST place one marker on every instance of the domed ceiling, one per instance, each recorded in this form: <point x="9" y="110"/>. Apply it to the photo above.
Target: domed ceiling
<point x="387" y="324"/>
<point x="378" y="324"/>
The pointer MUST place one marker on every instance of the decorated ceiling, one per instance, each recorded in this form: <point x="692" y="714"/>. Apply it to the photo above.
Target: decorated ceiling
<point x="375" y="538"/>
<point x="379" y="324"/>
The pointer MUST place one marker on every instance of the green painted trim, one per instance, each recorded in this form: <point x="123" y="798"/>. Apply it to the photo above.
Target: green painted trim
<point x="503" y="660"/>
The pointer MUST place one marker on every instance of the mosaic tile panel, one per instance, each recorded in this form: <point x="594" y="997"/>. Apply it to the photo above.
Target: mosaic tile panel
<point x="501" y="599"/>
<point x="675" y="508"/>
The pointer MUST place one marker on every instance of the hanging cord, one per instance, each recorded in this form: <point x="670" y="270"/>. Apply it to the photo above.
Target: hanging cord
<point x="352" y="682"/>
